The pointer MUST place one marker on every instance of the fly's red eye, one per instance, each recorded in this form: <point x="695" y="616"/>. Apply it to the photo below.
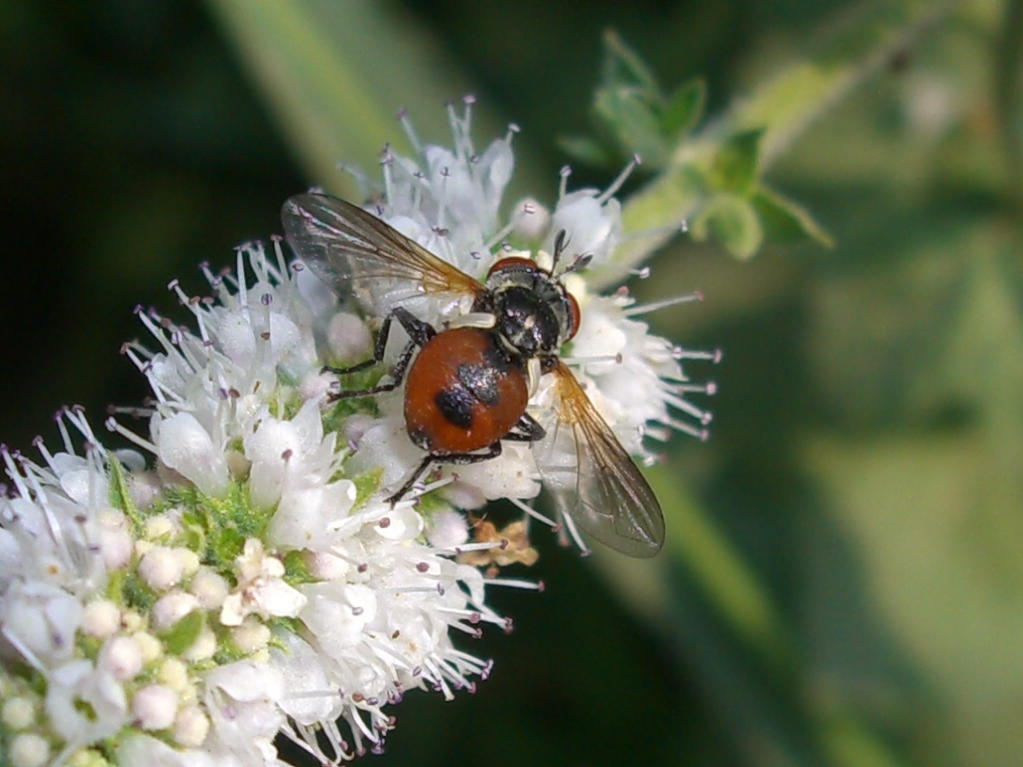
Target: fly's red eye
<point x="573" y="310"/>
<point x="512" y="262"/>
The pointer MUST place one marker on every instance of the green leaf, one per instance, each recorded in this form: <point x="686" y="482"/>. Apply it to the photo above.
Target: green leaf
<point x="627" y="111"/>
<point x="683" y="109"/>
<point x="296" y="569"/>
<point x="623" y="66"/>
<point x="734" y="168"/>
<point x="733" y="222"/>
<point x="120" y="496"/>
<point x="632" y="105"/>
<point x="182" y="634"/>
<point x="366" y="484"/>
<point x="787" y="221"/>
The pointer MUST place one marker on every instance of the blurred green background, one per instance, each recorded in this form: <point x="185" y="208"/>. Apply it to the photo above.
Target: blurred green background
<point x="842" y="581"/>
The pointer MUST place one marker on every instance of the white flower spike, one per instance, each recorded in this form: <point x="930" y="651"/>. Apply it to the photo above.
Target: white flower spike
<point x="238" y="573"/>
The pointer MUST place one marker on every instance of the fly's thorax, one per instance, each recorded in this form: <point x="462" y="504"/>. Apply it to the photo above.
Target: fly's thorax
<point x="531" y="308"/>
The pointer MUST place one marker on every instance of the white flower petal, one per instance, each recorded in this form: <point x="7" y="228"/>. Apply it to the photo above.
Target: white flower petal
<point x="236" y="336"/>
<point x="275" y="597"/>
<point x="337" y="614"/>
<point x="448" y="529"/>
<point x="401" y="524"/>
<point x="185" y="446"/>
<point x="139" y="750"/>
<point x="512" y="475"/>
<point x="311" y="697"/>
<point x="42" y="618"/>
<point x="591" y="227"/>
<point x="303" y="515"/>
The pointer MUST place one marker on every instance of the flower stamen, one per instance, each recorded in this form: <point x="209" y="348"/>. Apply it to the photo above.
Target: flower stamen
<point x="653" y="306"/>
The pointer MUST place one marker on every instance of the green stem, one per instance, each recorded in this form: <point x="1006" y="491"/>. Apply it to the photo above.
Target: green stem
<point x="785" y="104"/>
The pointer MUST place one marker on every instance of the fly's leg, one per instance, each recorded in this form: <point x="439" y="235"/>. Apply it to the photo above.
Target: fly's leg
<point x="457" y="458"/>
<point x="419" y="333"/>
<point x="526" y="430"/>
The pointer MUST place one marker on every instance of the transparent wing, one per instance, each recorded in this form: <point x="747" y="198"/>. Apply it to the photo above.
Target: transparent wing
<point x="360" y="255"/>
<point x="594" y="481"/>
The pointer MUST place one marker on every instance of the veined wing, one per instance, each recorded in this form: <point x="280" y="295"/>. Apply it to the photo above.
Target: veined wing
<point x="594" y="481"/>
<point x="359" y="254"/>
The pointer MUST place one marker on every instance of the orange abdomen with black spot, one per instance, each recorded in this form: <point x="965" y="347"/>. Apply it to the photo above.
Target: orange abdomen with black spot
<point x="462" y="393"/>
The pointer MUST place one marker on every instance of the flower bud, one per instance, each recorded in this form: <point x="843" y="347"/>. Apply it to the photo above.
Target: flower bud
<point x="154" y="707"/>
